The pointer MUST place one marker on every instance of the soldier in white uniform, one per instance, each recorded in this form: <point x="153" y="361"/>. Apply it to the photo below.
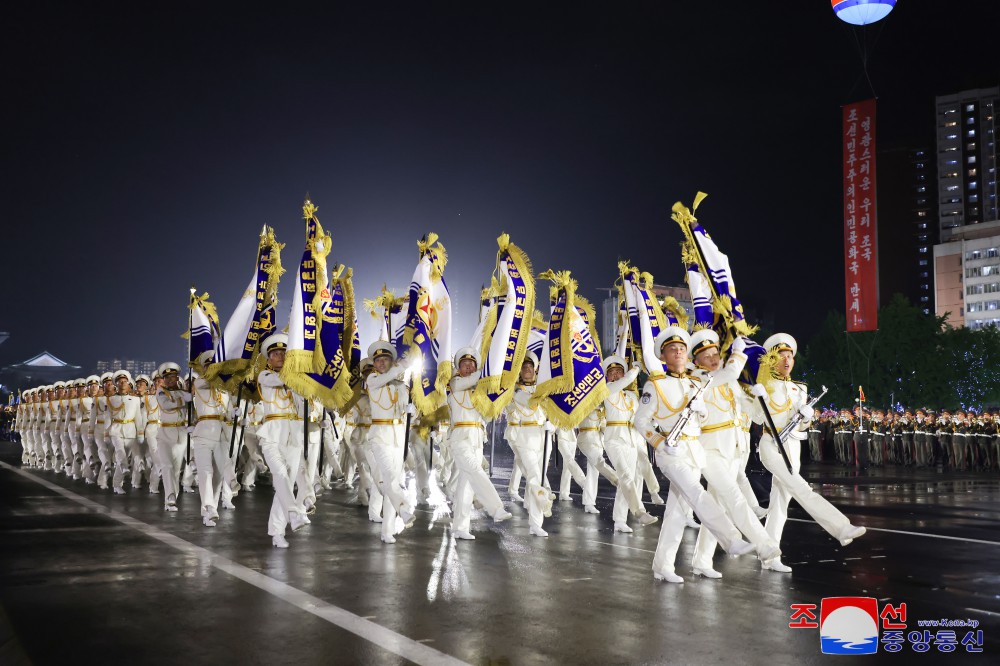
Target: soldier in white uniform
<point x="151" y="425"/>
<point x="784" y="398"/>
<point x="210" y="448"/>
<point x="280" y="436"/>
<point x="465" y="442"/>
<point x="72" y="448"/>
<point x="565" y="440"/>
<point x="171" y="436"/>
<point x="102" y="433"/>
<point x="59" y="437"/>
<point x="333" y="454"/>
<point x="24" y="415"/>
<point x="320" y="428"/>
<point x="253" y="460"/>
<point x="623" y="443"/>
<point x="720" y="438"/>
<point x="389" y="398"/>
<point x="124" y="409"/>
<point x="525" y="432"/>
<point x="664" y="399"/>
<point x="359" y="421"/>
<point x="591" y="443"/>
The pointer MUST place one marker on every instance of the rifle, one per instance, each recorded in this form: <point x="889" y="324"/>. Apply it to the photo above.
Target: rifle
<point x="794" y="422"/>
<point x="682" y="420"/>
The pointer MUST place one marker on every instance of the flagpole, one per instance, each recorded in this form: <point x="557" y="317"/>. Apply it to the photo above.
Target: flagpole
<point x="190" y="385"/>
<point x="232" y="436"/>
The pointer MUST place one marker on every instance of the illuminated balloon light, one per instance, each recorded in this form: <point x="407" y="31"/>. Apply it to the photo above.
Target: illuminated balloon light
<point x="862" y="12"/>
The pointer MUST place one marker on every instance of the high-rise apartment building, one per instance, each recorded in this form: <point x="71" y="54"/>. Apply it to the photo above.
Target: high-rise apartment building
<point x="967" y="261"/>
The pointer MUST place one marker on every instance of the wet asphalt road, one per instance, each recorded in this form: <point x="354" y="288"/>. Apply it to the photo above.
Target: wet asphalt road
<point x="88" y="577"/>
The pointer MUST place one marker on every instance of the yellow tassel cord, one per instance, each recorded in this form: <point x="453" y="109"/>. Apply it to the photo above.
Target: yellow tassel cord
<point x="207" y="306"/>
<point x="502" y="384"/>
<point x="671" y="305"/>
<point x="767" y="364"/>
<point x="319" y="247"/>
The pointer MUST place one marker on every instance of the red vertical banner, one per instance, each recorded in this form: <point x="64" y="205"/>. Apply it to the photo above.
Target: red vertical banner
<point x="860" y="221"/>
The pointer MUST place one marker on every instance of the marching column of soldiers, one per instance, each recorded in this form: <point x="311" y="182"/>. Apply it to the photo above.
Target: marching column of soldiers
<point x="963" y="440"/>
<point x="171" y="434"/>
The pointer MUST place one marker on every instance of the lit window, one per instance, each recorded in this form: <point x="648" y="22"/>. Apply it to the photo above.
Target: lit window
<point x="973" y="184"/>
<point x="952" y="188"/>
<point x="922" y="213"/>
<point x="951" y="162"/>
<point x="923" y="262"/>
<point x="922" y="188"/>
<point x="951" y="136"/>
<point x="971" y="160"/>
<point x="923" y="250"/>
<point x="970" y="107"/>
<point x="973" y="198"/>
<point x="951" y="123"/>
<point x="971" y="132"/>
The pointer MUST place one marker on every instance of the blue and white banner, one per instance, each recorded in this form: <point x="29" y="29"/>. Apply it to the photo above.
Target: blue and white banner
<point x="203" y="331"/>
<point x="571" y="381"/>
<point x="713" y="290"/>
<point x="428" y="326"/>
<point x="252" y="320"/>
<point x="315" y="362"/>
<point x="506" y="333"/>
<point x="646" y="319"/>
<point x="710" y="278"/>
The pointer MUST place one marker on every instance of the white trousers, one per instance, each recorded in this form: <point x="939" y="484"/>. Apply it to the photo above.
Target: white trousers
<point x="646" y="468"/>
<point x="171" y="447"/>
<point x="211" y="456"/>
<point x="570" y="468"/>
<point x="387" y="454"/>
<point x="592" y="446"/>
<point x="283" y="460"/>
<point x="120" y="447"/>
<point x="375" y="499"/>
<point x="787" y="485"/>
<point x="685" y="485"/>
<point x="529" y="450"/>
<point x="628" y="497"/>
<point x="721" y="472"/>
<point x="467" y="453"/>
<point x="744" y="482"/>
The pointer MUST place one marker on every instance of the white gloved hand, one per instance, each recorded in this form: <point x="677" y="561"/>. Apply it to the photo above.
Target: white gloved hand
<point x="244" y="422"/>
<point x="698" y="406"/>
<point x="806" y="411"/>
<point x="549" y="427"/>
<point x="738" y="346"/>
<point x="798" y="435"/>
<point x="759" y="390"/>
<point x="235" y="413"/>
<point x="663" y="453"/>
<point x="189" y="429"/>
<point x="411" y="409"/>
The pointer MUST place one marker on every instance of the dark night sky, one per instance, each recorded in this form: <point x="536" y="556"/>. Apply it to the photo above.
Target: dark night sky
<point x="145" y="146"/>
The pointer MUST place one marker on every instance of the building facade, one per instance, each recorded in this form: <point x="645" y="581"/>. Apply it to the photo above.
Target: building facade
<point x="966" y="263"/>
<point x="967" y="175"/>
<point x="134" y="367"/>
